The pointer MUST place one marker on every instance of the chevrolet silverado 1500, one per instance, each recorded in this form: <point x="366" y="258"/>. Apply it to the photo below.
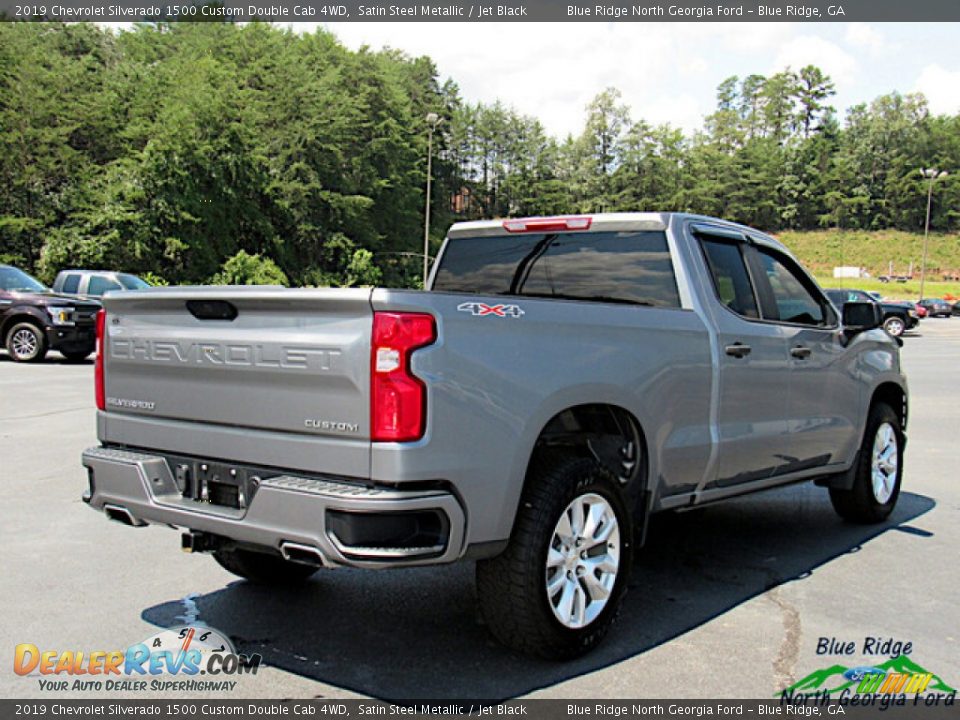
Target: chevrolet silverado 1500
<point x="560" y="380"/>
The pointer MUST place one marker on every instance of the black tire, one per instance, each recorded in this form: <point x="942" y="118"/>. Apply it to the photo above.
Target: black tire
<point x="76" y="356"/>
<point x="894" y="326"/>
<point x="263" y="568"/>
<point x="512" y="587"/>
<point x="23" y="335"/>
<point x="860" y="503"/>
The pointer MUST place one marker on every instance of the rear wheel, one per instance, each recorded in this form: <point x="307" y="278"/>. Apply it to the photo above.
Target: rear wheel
<point x="556" y="589"/>
<point x="876" y="485"/>
<point x="26" y="343"/>
<point x="894" y="325"/>
<point x="262" y="568"/>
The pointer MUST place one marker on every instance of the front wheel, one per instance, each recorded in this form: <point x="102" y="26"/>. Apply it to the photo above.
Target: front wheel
<point x="879" y="469"/>
<point x="894" y="325"/>
<point x="556" y="589"/>
<point x="26" y="343"/>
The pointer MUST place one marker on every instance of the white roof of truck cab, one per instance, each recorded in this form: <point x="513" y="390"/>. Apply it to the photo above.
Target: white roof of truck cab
<point x="587" y="221"/>
<point x="609" y="222"/>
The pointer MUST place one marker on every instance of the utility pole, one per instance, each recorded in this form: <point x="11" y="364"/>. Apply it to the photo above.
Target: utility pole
<point x="932" y="175"/>
<point x="432" y="120"/>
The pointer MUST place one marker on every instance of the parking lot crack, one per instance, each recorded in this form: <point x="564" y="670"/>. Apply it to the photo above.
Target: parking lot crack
<point x="17" y="418"/>
<point x="785" y="663"/>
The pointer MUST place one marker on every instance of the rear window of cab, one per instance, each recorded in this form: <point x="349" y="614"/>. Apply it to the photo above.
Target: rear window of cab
<point x="620" y="267"/>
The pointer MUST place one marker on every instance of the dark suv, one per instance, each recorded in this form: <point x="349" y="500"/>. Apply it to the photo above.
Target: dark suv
<point x="898" y="317"/>
<point x="33" y="319"/>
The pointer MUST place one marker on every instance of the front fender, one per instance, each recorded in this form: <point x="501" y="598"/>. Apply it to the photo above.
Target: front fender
<point x="878" y="369"/>
<point x="18" y="313"/>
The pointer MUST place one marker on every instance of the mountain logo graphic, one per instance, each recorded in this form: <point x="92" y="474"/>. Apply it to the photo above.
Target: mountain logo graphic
<point x="837" y="678"/>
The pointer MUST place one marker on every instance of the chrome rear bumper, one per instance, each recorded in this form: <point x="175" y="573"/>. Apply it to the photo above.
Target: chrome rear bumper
<point x="288" y="513"/>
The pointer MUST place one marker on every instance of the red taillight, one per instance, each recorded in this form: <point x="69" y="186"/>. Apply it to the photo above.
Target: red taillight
<point x="98" y="367"/>
<point x="398" y="399"/>
<point x="547" y="224"/>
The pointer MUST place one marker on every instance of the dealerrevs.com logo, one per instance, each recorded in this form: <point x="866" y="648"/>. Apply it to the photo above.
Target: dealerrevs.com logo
<point x="190" y="658"/>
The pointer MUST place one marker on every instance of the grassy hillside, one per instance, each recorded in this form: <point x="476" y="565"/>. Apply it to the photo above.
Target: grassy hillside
<point x="821" y="251"/>
<point x="896" y="291"/>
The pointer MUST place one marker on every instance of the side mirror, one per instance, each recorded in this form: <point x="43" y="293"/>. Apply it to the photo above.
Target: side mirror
<point x="861" y="316"/>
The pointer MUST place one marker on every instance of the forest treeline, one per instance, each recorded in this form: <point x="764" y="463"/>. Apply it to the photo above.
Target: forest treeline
<point x="214" y="152"/>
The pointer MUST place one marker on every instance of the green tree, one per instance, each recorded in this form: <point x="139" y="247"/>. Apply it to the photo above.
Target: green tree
<point x="812" y="89"/>
<point x="245" y="269"/>
<point x="173" y="147"/>
<point x="600" y="149"/>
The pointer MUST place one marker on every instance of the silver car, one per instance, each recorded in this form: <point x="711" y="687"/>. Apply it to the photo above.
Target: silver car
<point x="95" y="283"/>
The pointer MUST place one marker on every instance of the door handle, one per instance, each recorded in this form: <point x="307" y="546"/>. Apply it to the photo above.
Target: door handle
<point x="738" y="349"/>
<point x="801" y="352"/>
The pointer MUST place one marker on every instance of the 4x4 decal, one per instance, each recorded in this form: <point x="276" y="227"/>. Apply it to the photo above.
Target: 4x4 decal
<point x="480" y="309"/>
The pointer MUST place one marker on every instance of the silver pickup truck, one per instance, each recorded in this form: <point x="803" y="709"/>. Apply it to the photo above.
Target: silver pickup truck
<point x="561" y="380"/>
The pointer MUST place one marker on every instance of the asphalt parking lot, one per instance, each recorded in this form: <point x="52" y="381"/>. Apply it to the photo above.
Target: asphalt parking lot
<point x="727" y="601"/>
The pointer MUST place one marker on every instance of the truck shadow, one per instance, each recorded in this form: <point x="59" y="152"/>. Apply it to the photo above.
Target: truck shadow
<point x="415" y="633"/>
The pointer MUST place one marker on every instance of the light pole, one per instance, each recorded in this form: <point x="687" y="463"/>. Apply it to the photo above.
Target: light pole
<point x="932" y="175"/>
<point x="432" y="120"/>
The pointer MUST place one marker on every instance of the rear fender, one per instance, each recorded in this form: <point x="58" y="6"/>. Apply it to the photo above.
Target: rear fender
<point x="639" y="494"/>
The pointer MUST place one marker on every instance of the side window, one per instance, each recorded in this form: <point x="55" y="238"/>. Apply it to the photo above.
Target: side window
<point x="71" y="283"/>
<point x="839" y="297"/>
<point x="99" y="285"/>
<point x="845" y="296"/>
<point x="730" y="276"/>
<point x="795" y="301"/>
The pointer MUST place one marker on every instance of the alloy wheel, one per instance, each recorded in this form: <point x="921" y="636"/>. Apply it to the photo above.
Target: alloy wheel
<point x="25" y="344"/>
<point x="883" y="465"/>
<point x="583" y="561"/>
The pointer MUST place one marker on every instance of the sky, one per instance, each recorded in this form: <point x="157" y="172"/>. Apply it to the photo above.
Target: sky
<point x="668" y="72"/>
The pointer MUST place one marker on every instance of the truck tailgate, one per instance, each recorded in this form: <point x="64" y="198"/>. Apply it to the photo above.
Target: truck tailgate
<point x="290" y="363"/>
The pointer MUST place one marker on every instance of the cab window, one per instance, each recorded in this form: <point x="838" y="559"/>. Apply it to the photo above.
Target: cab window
<point x="99" y="285"/>
<point x="730" y="277"/>
<point x="71" y="283"/>
<point x="615" y="267"/>
<point x="793" y="299"/>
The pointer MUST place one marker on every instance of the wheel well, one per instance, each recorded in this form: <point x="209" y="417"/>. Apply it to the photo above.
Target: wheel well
<point x="15" y="320"/>
<point x="892" y="395"/>
<point x="609" y="434"/>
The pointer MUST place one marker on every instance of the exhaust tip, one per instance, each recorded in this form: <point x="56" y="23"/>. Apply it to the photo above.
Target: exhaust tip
<point x="304" y="554"/>
<point x="122" y="515"/>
